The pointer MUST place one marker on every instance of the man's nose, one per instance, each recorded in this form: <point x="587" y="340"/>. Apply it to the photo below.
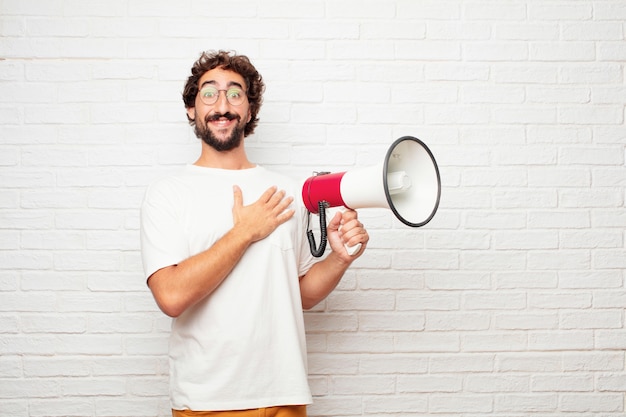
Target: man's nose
<point x="221" y="105"/>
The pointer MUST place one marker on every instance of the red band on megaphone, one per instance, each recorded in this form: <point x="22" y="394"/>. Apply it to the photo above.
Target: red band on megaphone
<point x="325" y="187"/>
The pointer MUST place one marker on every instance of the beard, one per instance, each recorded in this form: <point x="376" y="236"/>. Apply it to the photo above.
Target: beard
<point x="203" y="132"/>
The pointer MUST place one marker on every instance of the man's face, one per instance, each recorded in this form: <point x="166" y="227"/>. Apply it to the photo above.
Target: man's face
<point x="221" y="124"/>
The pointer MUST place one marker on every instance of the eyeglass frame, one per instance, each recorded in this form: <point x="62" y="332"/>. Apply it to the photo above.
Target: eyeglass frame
<point x="243" y="92"/>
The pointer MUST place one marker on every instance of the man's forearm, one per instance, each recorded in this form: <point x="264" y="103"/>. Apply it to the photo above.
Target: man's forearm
<point x="321" y="280"/>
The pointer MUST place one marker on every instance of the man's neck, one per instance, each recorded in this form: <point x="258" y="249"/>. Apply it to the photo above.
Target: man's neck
<point x="233" y="159"/>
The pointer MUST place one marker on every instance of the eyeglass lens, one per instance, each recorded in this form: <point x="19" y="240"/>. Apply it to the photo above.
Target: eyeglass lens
<point x="209" y="95"/>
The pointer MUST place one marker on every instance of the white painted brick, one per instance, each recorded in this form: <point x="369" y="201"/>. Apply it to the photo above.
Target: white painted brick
<point x="515" y="198"/>
<point x="593" y="361"/>
<point x="10" y="367"/>
<point x="335" y="406"/>
<point x="429" y="384"/>
<point x="52" y="324"/>
<point x="455" y="71"/>
<point x="393" y="364"/>
<point x="396" y="404"/>
<point x="460" y="404"/>
<point x="559" y="177"/>
<point x="112" y="366"/>
<point x="608" y="299"/>
<point x="612" y="382"/>
<point x="493" y="260"/>
<point x="615" y="340"/>
<point x="361" y="343"/>
<point x="89" y="387"/>
<point x="526" y="321"/>
<point x="425" y="301"/>
<point x="597" y="31"/>
<point x="560" y="134"/>
<point x="427" y="342"/>
<point x="449" y="30"/>
<point x="494" y="342"/>
<point x="559" y="95"/>
<point x="535" y="279"/>
<point x="38" y="367"/>
<point x="591" y="74"/>
<point x="397" y="280"/>
<point x="356" y="385"/>
<point x="530" y="362"/>
<point x="331" y="322"/>
<point x="560" y="300"/>
<point x="592" y="402"/>
<point x="562" y="383"/>
<point x="560" y="11"/>
<point x="579" y="239"/>
<point x="323" y="363"/>
<point x="496" y="51"/>
<point x="533" y="31"/>
<point x="509" y="302"/>
<point x="442" y="321"/>
<point x="61" y="407"/>
<point x="429" y="10"/>
<point x="559" y="219"/>
<point x="528" y="240"/>
<point x="126" y="407"/>
<point x="497" y="383"/>
<point x="458" y="281"/>
<point x="367" y="9"/>
<point x="482" y="10"/>
<point x="368" y="301"/>
<point x="526" y="403"/>
<point x="561" y="340"/>
<point x="596" y="279"/>
<point x="502" y="301"/>
<point x="148" y="387"/>
<point x="611" y="51"/>
<point x="381" y="322"/>
<point x="392" y="30"/>
<point x="572" y="259"/>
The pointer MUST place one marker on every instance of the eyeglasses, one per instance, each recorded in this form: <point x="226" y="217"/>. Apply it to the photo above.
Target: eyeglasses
<point x="210" y="94"/>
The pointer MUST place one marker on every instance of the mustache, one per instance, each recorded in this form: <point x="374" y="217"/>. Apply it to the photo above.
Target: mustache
<point x="217" y="116"/>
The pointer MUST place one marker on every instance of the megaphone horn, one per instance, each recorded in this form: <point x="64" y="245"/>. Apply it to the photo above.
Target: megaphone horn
<point x="407" y="182"/>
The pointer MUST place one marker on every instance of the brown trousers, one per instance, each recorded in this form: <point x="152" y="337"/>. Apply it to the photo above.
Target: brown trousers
<point x="283" y="411"/>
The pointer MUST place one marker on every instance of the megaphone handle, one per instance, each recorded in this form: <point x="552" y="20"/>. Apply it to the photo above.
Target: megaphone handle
<point x="351" y="249"/>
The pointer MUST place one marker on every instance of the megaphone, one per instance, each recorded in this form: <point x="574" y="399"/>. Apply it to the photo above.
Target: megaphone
<point x="407" y="182"/>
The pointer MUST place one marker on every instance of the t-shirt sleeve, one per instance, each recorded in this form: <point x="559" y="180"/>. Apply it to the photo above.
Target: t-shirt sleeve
<point x="163" y="242"/>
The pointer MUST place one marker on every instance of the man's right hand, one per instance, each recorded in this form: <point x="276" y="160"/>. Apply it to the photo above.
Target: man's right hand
<point x="262" y="217"/>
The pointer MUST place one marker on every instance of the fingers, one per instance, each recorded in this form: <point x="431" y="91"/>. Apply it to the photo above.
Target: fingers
<point x="352" y="230"/>
<point x="237" y="196"/>
<point x="279" y="202"/>
<point x="335" y="223"/>
<point x="268" y="194"/>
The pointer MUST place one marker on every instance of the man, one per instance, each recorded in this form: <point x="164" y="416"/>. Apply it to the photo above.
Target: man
<point x="225" y="254"/>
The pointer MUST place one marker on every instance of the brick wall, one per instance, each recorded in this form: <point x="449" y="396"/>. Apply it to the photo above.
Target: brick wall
<point x="509" y="303"/>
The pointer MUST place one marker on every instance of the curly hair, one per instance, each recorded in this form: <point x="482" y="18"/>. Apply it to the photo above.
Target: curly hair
<point x="232" y="62"/>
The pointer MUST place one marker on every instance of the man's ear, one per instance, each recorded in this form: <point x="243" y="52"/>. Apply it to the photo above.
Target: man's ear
<point x="191" y="113"/>
<point x="249" y="116"/>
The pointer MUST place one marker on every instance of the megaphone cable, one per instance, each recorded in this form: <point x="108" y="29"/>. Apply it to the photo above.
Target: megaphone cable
<point x="318" y="251"/>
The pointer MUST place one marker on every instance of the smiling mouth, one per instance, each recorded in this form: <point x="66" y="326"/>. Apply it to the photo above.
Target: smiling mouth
<point x="221" y="119"/>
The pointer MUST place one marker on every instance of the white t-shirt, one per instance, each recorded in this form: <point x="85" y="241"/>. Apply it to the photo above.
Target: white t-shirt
<point x="244" y="345"/>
